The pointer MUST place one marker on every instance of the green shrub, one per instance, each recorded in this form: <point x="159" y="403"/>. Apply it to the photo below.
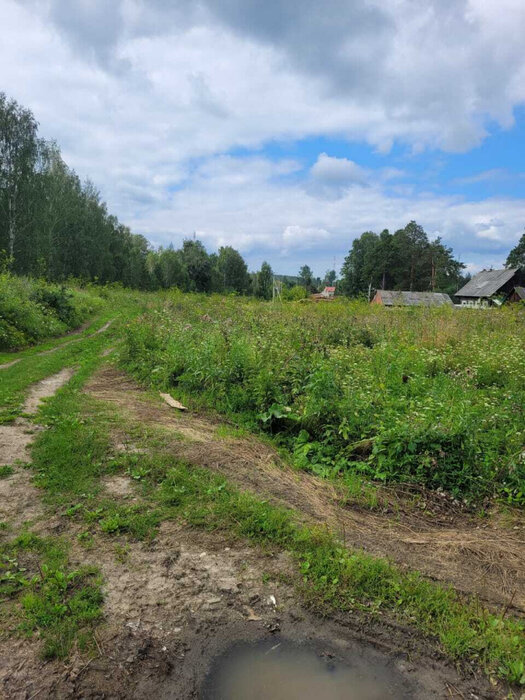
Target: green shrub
<point x="32" y="310"/>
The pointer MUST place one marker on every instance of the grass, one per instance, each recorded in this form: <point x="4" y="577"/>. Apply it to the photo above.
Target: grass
<point x="5" y="471"/>
<point x="426" y="396"/>
<point x="61" y="604"/>
<point x="331" y="577"/>
<point x="16" y="380"/>
<point x="335" y="579"/>
<point x="42" y="594"/>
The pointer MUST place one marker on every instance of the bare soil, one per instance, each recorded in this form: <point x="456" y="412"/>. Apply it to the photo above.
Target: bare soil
<point x="6" y="365"/>
<point x="15" y="439"/>
<point x="46" y="388"/>
<point x="103" y="328"/>
<point x="480" y="557"/>
<point x="19" y="499"/>
<point x="173" y="605"/>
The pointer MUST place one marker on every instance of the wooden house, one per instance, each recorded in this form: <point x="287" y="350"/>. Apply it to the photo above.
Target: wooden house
<point x="490" y="287"/>
<point x="393" y="298"/>
<point x="328" y="292"/>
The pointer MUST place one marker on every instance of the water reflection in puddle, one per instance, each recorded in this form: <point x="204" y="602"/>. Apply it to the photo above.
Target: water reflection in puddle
<point x="286" y="671"/>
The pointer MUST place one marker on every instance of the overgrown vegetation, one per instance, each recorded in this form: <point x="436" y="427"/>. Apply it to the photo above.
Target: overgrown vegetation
<point x="32" y="310"/>
<point x="431" y="396"/>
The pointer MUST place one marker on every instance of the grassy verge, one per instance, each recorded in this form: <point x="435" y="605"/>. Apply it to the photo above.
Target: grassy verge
<point x="40" y="592"/>
<point x="33" y="367"/>
<point x="95" y="323"/>
<point x="17" y="380"/>
<point x="73" y="456"/>
<point x="114" y="303"/>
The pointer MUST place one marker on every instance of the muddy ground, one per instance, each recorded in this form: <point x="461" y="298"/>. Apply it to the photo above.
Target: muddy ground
<point x="174" y="604"/>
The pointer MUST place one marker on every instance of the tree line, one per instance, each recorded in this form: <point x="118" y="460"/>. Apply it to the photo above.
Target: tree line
<point x="55" y="226"/>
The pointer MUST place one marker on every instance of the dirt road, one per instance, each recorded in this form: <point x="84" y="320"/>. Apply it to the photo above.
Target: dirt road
<point x="174" y="603"/>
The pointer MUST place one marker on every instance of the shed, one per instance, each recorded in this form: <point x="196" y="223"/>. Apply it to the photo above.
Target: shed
<point x="485" y="287"/>
<point x="394" y="298"/>
<point x="328" y="292"/>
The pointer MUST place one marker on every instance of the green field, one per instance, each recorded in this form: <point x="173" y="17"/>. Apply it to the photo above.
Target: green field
<point x="429" y="396"/>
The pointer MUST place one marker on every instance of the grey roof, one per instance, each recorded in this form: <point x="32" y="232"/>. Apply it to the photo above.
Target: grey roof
<point x="486" y="283"/>
<point x="392" y="298"/>
<point x="520" y="291"/>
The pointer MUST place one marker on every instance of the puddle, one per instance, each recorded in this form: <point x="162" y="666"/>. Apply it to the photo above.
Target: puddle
<point x="281" y="670"/>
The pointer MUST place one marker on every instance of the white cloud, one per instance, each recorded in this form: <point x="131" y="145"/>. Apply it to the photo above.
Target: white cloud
<point x="286" y="224"/>
<point x="331" y="177"/>
<point x="144" y="97"/>
<point x="492" y="175"/>
<point x="302" y="238"/>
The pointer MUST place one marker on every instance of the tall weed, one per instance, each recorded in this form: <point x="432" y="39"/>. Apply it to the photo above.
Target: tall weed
<point x="433" y="396"/>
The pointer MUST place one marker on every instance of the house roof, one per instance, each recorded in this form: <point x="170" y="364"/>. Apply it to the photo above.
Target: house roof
<point x="486" y="283"/>
<point x="394" y="298"/>
<point x="520" y="291"/>
<point x="329" y="289"/>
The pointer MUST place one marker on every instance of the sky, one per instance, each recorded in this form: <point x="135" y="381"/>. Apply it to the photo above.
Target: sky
<point x="284" y="128"/>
